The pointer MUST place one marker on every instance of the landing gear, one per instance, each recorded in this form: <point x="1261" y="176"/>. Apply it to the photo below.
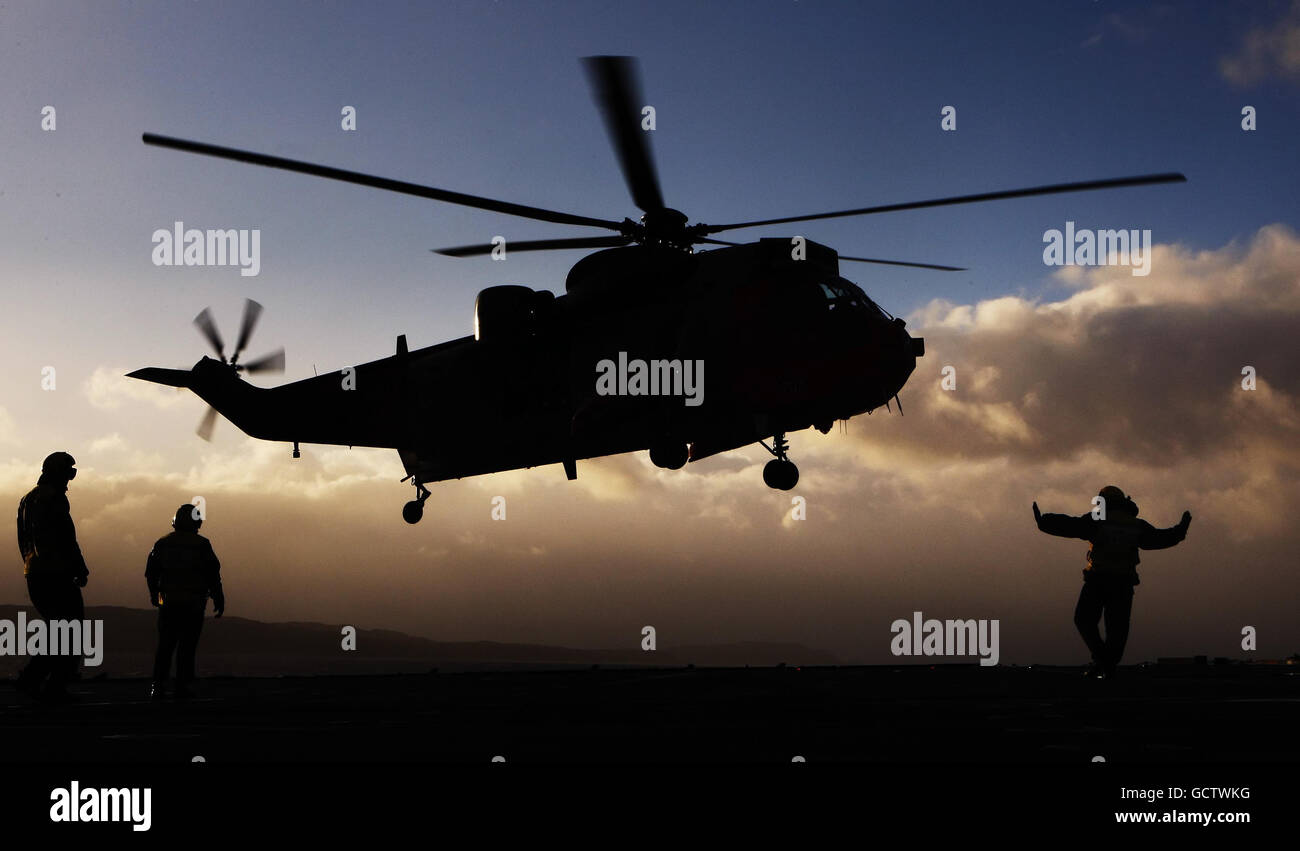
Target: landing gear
<point x="669" y="455"/>
<point x="780" y="473"/>
<point x="414" y="510"/>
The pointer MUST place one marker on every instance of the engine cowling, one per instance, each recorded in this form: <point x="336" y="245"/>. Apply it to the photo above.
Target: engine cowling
<point x="510" y="312"/>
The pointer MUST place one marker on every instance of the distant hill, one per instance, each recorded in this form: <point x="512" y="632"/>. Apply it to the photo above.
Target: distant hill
<point x="242" y="647"/>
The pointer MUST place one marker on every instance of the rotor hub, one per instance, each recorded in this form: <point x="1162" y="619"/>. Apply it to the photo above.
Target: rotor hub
<point x="666" y="227"/>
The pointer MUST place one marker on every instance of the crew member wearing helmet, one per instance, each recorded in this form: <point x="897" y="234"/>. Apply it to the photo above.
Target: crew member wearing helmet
<point x="183" y="572"/>
<point x="1116" y="535"/>
<point x="55" y="571"/>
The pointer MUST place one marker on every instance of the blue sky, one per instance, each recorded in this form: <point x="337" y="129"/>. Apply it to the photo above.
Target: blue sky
<point x="764" y="109"/>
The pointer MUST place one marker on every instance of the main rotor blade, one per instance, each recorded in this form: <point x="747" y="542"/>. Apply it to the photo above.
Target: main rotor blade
<point x="205" y="425"/>
<point x="208" y="328"/>
<point x="274" y="362"/>
<point x="855" y="259"/>
<point x="536" y="245"/>
<point x="464" y="200"/>
<point x="1113" y="183"/>
<point x="617" y="90"/>
<point x="904" y="263"/>
<point x="252" y="312"/>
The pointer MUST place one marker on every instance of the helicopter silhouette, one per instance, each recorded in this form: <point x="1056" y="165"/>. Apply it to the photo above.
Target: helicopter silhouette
<point x="773" y="339"/>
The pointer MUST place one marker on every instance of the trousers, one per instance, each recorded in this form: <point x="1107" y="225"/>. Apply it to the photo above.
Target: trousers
<point x="55" y="598"/>
<point x="1112" y="598"/>
<point x="179" y="626"/>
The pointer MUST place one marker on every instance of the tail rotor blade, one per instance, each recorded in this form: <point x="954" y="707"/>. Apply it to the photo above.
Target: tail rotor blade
<point x="274" y="362"/>
<point x="252" y="312"/>
<point x="208" y="328"/>
<point x="205" y="425"/>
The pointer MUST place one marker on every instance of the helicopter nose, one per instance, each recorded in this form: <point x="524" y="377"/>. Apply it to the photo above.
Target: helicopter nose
<point x="910" y="348"/>
<point x="906" y="350"/>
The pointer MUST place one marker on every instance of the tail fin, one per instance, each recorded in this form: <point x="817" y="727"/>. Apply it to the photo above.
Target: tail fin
<point x="158" y="375"/>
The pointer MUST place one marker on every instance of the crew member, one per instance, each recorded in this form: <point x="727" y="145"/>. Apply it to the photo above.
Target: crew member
<point x="1116" y="535"/>
<point x="55" y="571"/>
<point x="183" y="572"/>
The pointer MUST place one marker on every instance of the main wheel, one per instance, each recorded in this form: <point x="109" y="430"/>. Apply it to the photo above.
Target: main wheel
<point x="781" y="475"/>
<point x="671" y="456"/>
<point x="413" y="511"/>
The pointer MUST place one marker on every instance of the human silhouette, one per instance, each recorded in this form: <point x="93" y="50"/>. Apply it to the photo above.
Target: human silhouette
<point x="1116" y="535"/>
<point x="55" y="571"/>
<point x="183" y="572"/>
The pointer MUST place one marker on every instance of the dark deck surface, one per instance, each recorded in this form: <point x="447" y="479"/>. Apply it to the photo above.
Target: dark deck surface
<point x="874" y="714"/>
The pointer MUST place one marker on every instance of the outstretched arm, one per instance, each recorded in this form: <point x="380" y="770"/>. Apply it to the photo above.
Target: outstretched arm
<point x="1063" y="525"/>
<point x="1162" y="539"/>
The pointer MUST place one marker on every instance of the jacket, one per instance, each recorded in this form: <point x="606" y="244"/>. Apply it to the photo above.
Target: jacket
<point x="1115" y="541"/>
<point x="47" y="538"/>
<point x="183" y="570"/>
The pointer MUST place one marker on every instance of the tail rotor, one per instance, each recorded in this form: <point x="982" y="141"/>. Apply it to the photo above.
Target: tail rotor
<point x="270" y="363"/>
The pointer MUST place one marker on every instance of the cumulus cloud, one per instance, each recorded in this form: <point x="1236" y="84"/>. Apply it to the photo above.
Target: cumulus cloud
<point x="1119" y="379"/>
<point x="108" y="389"/>
<point x="8" y="429"/>
<point x="1147" y="370"/>
<point x="1265" y="52"/>
<point x="1133" y="26"/>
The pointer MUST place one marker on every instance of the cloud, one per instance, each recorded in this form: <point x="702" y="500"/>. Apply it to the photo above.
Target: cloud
<point x="108" y="389"/>
<point x="1147" y="370"/>
<point x="1133" y="26"/>
<point x="1114" y="379"/>
<point x="108" y="443"/>
<point x="8" y="429"/>
<point x="1265" y="52"/>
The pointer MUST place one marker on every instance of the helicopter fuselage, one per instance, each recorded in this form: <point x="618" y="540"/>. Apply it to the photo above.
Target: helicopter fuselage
<point x="768" y="336"/>
<point x="777" y="345"/>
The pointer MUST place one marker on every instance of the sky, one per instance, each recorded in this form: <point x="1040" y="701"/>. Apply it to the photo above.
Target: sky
<point x="1068" y="378"/>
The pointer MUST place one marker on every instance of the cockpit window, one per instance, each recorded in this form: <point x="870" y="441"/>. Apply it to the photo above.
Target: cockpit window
<point x="837" y="297"/>
<point x="842" y="295"/>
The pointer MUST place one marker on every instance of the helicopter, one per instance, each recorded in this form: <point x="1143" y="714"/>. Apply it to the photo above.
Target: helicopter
<point x="653" y="346"/>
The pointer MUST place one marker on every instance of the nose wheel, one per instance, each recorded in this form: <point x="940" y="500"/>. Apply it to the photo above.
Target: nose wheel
<point x="414" y="510"/>
<point x="779" y="473"/>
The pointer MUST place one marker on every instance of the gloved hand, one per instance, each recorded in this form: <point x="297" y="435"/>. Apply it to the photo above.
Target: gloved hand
<point x="153" y="600"/>
<point x="81" y="580"/>
<point x="218" y="611"/>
